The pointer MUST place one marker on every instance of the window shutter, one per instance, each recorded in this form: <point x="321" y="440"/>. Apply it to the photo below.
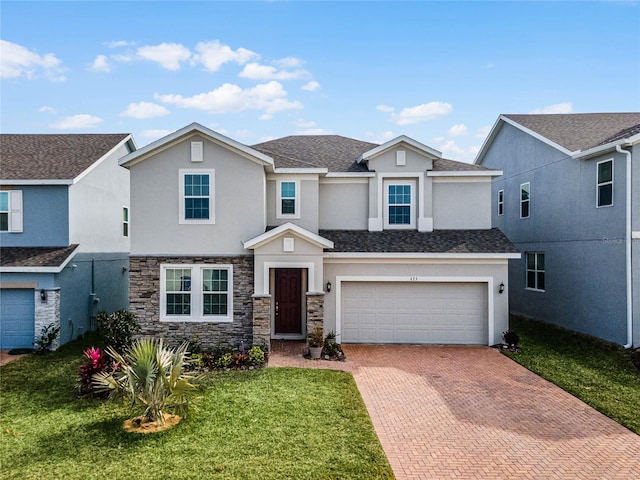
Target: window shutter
<point x="15" y="211"/>
<point x="196" y="151"/>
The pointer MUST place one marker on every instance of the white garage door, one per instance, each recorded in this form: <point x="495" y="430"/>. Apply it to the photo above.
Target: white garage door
<point x="412" y="312"/>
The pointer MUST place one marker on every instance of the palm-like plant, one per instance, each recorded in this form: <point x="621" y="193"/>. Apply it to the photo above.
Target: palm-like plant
<point x="151" y="375"/>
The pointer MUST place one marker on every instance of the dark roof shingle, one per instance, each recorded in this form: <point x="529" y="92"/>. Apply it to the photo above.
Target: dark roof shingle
<point x="412" y="241"/>
<point x="35" y="256"/>
<point x="52" y="156"/>
<point x="580" y="131"/>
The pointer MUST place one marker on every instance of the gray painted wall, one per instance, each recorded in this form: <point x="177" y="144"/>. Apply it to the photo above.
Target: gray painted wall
<point x="583" y="245"/>
<point x="239" y="202"/>
<point x="461" y="203"/>
<point x="45" y="218"/>
<point x="386" y="162"/>
<point x="308" y="195"/>
<point x="344" y="206"/>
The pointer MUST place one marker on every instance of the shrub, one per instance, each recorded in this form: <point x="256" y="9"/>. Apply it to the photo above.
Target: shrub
<point x="225" y="361"/>
<point x="240" y="359"/>
<point x="118" y="328"/>
<point x="256" y="356"/>
<point x="94" y="362"/>
<point x="48" y="335"/>
<point x="152" y="376"/>
<point x="635" y="358"/>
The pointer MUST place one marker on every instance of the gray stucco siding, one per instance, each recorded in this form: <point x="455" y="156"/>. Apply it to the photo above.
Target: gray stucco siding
<point x="343" y="206"/>
<point x="307" y="205"/>
<point x="414" y="162"/>
<point x="635" y="255"/>
<point x="45" y="218"/>
<point x="238" y="204"/>
<point x="461" y="205"/>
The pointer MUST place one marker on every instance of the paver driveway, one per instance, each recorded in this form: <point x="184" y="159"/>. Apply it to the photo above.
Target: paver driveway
<point x="472" y="413"/>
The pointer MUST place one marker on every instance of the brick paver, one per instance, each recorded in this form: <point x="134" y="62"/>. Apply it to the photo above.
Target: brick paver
<point x="472" y="413"/>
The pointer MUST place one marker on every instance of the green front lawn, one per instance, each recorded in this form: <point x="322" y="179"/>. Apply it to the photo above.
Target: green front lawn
<point x="597" y="372"/>
<point x="269" y="423"/>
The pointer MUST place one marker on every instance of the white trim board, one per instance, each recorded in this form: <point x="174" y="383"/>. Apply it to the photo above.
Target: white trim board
<point x="267" y="266"/>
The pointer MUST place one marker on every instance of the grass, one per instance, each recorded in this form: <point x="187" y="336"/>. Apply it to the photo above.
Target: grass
<point x="598" y="373"/>
<point x="270" y="423"/>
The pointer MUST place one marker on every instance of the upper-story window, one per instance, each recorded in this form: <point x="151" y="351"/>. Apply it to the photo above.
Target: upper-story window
<point x="535" y="271"/>
<point x="605" y="183"/>
<point x="500" y="202"/>
<point x="125" y="221"/>
<point x="197" y="196"/>
<point x="11" y="211"/>
<point x="399" y="204"/>
<point x="525" y="199"/>
<point x="288" y="199"/>
<point x="200" y="293"/>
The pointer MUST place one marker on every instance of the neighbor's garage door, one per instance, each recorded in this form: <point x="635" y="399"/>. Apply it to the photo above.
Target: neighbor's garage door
<point x="16" y="318"/>
<point x="412" y="312"/>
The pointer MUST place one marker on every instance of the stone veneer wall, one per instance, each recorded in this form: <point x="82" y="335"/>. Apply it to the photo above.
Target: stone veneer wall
<point x="262" y="321"/>
<point x="144" y="301"/>
<point x="47" y="313"/>
<point x="315" y="311"/>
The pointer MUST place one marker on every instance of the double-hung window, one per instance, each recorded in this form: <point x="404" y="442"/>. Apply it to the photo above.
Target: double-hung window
<point x="197" y="196"/>
<point x="525" y="200"/>
<point x="11" y="211"/>
<point x="535" y="271"/>
<point x="288" y="199"/>
<point x="399" y="204"/>
<point x="500" y="202"/>
<point x="200" y="293"/>
<point x="605" y="184"/>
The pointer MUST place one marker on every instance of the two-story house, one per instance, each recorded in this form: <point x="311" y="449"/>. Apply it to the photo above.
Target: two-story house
<point x="569" y="198"/>
<point x="380" y="243"/>
<point x="64" y="233"/>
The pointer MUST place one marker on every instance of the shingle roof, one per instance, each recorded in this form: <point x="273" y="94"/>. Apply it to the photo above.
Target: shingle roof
<point x="580" y="131"/>
<point x="337" y="153"/>
<point x="35" y="256"/>
<point x="411" y="241"/>
<point x="52" y="156"/>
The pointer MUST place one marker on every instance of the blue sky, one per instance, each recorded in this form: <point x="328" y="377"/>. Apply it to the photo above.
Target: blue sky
<point x="440" y="72"/>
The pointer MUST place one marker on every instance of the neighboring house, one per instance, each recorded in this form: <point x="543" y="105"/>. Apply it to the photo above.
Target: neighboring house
<point x="569" y="199"/>
<point x="380" y="243"/>
<point x="64" y="233"/>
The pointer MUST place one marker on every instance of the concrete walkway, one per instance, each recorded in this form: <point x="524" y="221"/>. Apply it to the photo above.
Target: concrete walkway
<point x="472" y="413"/>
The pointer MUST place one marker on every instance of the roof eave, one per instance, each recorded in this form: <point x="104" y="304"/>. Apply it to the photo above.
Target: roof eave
<point x="391" y="143"/>
<point x="266" y="237"/>
<point x="600" y="149"/>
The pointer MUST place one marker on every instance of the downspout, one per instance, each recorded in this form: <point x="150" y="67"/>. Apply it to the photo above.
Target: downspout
<point x="629" y="343"/>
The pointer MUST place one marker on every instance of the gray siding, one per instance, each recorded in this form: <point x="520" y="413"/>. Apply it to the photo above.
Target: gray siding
<point x="344" y="206"/>
<point x="460" y="205"/>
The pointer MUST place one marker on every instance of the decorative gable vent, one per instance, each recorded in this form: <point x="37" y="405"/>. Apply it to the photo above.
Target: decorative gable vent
<point x="197" y="152"/>
<point x="401" y="158"/>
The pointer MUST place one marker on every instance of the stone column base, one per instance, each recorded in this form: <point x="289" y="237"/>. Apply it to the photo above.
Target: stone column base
<point x="262" y="321"/>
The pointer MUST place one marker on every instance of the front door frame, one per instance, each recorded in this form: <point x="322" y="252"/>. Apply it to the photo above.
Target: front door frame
<point x="304" y="276"/>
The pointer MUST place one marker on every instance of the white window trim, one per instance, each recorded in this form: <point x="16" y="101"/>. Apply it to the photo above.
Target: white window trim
<point x="500" y="203"/>
<point x="598" y="185"/>
<point x="127" y="221"/>
<point x="523" y="201"/>
<point x="536" y="270"/>
<point x="212" y="191"/>
<point x="279" y="213"/>
<point x="412" y="207"/>
<point x="197" y="305"/>
<point x="14" y="211"/>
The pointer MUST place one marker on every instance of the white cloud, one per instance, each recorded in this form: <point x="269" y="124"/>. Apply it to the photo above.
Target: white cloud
<point x="144" y="110"/>
<point x="289" y="62"/>
<point x="305" y="124"/>
<point x="565" y="107"/>
<point x="381" y="137"/>
<point x="124" y="57"/>
<point x="213" y="55"/>
<point x="155" y="133"/>
<point x="458" y="130"/>
<point x="312" y="86"/>
<point x="421" y="113"/>
<point x="265" y="116"/>
<point x="77" y="122"/>
<point x="270" y="97"/>
<point x="256" y="71"/>
<point x="314" y="131"/>
<point x="47" y="109"/>
<point x="167" y="55"/>
<point x="100" y="64"/>
<point x="18" y="61"/>
<point x="450" y="146"/>
<point x="385" y="108"/>
<point x="118" y="43"/>
<point x="482" y="132"/>
<point x="463" y="154"/>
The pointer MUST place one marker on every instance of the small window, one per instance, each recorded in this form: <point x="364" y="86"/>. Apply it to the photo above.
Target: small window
<point x="399" y="204"/>
<point x="535" y="271"/>
<point x="500" y="202"/>
<point x="4" y="211"/>
<point x="605" y="184"/>
<point x="125" y="221"/>
<point x="196" y="196"/>
<point x="215" y="291"/>
<point x="288" y="203"/>
<point x="525" y="199"/>
<point x="178" y="291"/>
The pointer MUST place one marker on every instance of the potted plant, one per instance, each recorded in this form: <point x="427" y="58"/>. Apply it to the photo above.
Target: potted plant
<point x="330" y="339"/>
<point x="315" y="341"/>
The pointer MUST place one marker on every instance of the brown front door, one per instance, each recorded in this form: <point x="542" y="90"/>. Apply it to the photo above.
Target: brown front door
<point x="288" y="301"/>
